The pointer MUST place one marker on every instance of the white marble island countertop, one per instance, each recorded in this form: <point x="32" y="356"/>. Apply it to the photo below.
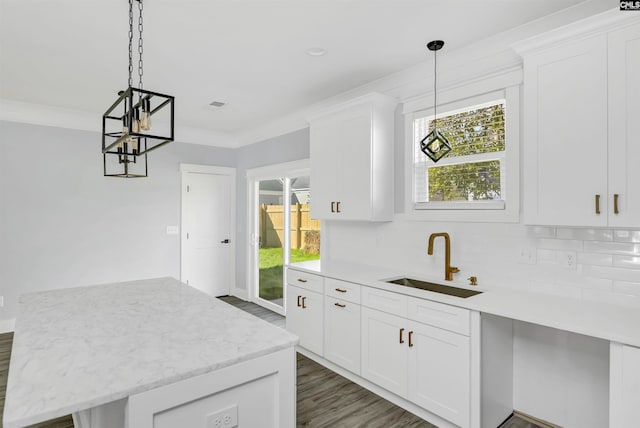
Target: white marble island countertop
<point x="79" y="348"/>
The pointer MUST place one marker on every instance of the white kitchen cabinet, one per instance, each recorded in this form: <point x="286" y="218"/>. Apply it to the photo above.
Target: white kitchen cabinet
<point x="342" y="333"/>
<point x="305" y="317"/>
<point x="580" y="128"/>
<point x="439" y="377"/>
<point x="624" y="389"/>
<point x="352" y="160"/>
<point x="384" y="350"/>
<point x="624" y="126"/>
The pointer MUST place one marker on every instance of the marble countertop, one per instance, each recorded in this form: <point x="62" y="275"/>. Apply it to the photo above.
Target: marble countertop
<point x="606" y="321"/>
<point x="79" y="348"/>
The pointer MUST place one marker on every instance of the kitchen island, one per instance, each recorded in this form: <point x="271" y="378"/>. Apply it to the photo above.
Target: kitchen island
<point x="150" y="353"/>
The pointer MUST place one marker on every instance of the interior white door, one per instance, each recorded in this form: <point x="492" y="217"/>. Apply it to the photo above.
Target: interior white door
<point x="206" y="249"/>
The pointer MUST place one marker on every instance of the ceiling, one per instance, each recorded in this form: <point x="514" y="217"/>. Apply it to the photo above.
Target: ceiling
<point x="250" y="54"/>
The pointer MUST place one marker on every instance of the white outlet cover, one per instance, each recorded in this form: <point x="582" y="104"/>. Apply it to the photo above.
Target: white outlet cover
<point x="173" y="230"/>
<point x="528" y="256"/>
<point x="223" y="418"/>
<point x="568" y="259"/>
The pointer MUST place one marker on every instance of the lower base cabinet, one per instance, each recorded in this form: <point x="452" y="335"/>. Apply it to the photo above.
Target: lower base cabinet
<point x="624" y="388"/>
<point x="426" y="365"/>
<point x="342" y="333"/>
<point x="304" y="317"/>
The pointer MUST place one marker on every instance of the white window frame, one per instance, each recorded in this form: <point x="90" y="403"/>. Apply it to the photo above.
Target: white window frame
<point x="505" y="210"/>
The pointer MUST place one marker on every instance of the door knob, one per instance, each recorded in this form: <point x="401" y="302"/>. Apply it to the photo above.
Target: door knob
<point x="226" y="241"/>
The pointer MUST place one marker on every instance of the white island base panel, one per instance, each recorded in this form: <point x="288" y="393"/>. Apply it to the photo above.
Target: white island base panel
<point x="257" y="393"/>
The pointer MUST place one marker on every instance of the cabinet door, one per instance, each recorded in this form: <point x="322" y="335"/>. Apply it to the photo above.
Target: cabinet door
<point x="325" y="137"/>
<point x="565" y="147"/>
<point x="439" y="372"/>
<point x="624" y="126"/>
<point x="384" y="358"/>
<point x="305" y="319"/>
<point x="342" y="333"/>
<point x="624" y="388"/>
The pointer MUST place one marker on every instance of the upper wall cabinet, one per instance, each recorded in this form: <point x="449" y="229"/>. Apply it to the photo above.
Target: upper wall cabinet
<point x="352" y="160"/>
<point x="581" y="127"/>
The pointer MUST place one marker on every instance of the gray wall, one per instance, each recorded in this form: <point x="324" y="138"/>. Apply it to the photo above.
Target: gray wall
<point x="63" y="224"/>
<point x="285" y="148"/>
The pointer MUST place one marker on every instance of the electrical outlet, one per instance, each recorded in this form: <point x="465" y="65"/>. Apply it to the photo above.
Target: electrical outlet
<point x="225" y="418"/>
<point x="172" y="230"/>
<point x="528" y="256"/>
<point x="567" y="259"/>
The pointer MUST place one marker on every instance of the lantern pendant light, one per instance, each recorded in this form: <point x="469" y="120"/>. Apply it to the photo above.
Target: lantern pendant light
<point x="435" y="145"/>
<point x="127" y="138"/>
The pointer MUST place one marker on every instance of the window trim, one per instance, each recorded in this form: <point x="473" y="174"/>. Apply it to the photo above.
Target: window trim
<point x="507" y="210"/>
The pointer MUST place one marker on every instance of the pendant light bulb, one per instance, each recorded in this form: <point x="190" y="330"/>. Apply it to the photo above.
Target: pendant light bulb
<point x="145" y="117"/>
<point x="135" y="128"/>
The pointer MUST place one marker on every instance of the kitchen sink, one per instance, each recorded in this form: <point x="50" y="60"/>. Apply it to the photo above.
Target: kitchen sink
<point x="437" y="288"/>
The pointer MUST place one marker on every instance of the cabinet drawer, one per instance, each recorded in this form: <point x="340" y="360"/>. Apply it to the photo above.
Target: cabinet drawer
<point x="457" y="320"/>
<point x="342" y="290"/>
<point x="385" y="301"/>
<point x="305" y="280"/>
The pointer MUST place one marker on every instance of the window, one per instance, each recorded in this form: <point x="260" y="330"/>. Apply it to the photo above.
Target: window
<point x="479" y="179"/>
<point x="472" y="175"/>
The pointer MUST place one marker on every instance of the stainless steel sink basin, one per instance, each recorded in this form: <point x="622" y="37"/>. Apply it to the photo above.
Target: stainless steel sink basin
<point x="437" y="288"/>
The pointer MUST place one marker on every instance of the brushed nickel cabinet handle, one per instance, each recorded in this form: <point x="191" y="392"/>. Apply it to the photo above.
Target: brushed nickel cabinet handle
<point x="337" y="207"/>
<point x="615" y="203"/>
<point x="340" y="290"/>
<point x="410" y="337"/>
<point x="597" y="204"/>
<point x="332" y="207"/>
<point x="302" y="280"/>
<point x="340" y="305"/>
<point x="303" y="306"/>
<point x="401" y="338"/>
<point x="299" y="301"/>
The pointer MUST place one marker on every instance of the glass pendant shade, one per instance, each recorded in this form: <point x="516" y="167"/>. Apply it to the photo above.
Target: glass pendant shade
<point x="435" y="145"/>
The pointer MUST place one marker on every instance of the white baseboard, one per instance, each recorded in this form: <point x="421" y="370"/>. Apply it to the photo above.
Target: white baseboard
<point x="240" y="293"/>
<point x="7" y="326"/>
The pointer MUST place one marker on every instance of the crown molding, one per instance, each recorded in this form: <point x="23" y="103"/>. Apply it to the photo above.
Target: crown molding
<point x="58" y="117"/>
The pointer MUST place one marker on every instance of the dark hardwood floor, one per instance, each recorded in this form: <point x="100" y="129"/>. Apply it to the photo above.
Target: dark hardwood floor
<point x="325" y="399"/>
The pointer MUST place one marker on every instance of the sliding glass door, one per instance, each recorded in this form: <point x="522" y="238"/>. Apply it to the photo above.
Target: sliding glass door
<point x="283" y="233"/>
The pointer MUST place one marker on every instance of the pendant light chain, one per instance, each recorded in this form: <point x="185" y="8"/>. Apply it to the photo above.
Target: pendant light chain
<point x="140" y="45"/>
<point x="130" y="43"/>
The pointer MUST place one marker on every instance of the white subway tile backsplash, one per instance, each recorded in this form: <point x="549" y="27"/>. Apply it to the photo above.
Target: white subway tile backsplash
<point x="629" y="262"/>
<point x="547" y="256"/>
<point x="585" y="234"/>
<point x="541" y="232"/>
<point x="595" y="259"/>
<point x="622" y="248"/>
<point x="626" y="235"/>
<point x="614" y="273"/>
<point x="629" y="288"/>
<point x="558" y="244"/>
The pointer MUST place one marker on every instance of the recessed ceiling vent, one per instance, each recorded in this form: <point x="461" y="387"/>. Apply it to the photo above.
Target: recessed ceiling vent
<point x="217" y="104"/>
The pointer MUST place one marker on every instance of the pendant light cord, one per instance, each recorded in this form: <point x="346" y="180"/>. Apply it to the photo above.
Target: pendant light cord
<point x="435" y="87"/>
<point x="130" y="43"/>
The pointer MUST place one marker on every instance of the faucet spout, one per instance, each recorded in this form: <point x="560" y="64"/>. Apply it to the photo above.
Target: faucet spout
<point x="448" y="269"/>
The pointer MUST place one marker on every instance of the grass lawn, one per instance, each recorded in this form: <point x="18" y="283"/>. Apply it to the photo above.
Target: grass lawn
<point x="271" y="270"/>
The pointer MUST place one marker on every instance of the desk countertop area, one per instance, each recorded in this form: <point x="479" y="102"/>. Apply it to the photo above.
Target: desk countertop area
<point x="79" y="348"/>
<point x="607" y="321"/>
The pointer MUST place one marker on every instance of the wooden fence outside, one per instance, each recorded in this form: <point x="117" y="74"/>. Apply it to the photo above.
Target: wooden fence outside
<point x="304" y="230"/>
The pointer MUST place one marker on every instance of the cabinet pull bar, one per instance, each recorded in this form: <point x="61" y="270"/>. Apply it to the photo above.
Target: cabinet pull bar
<point x="340" y="305"/>
<point x="332" y="207"/>
<point x="615" y="203"/>
<point x="337" y="207"/>
<point x="303" y="306"/>
<point x="299" y="301"/>
<point x="340" y="290"/>
<point x="597" y="204"/>
<point x="401" y="338"/>
<point x="302" y="280"/>
<point x="410" y="337"/>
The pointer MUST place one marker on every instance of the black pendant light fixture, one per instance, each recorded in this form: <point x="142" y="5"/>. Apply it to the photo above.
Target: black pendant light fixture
<point x="127" y="135"/>
<point x="435" y="145"/>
